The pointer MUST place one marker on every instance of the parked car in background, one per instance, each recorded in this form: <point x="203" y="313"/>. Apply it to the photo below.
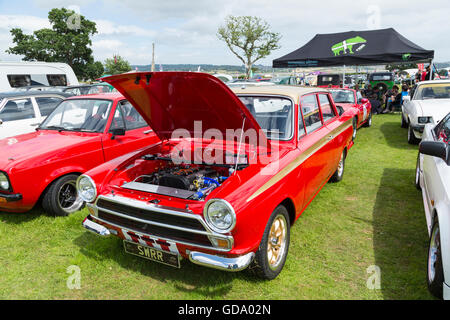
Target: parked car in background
<point x="428" y="102"/>
<point x="384" y="81"/>
<point x="73" y="90"/>
<point x="22" y="112"/>
<point x="81" y="133"/>
<point x="15" y="75"/>
<point x="353" y="100"/>
<point x="232" y="211"/>
<point x="433" y="178"/>
<point x="329" y="80"/>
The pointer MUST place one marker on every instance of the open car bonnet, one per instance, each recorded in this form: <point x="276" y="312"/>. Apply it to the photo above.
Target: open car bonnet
<point x="175" y="100"/>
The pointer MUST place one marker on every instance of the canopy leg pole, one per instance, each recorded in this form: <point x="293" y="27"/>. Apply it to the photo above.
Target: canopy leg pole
<point x="431" y="69"/>
<point x="343" y="79"/>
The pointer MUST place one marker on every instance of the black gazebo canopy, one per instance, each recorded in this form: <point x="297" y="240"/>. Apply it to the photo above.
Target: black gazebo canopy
<point x="355" y="48"/>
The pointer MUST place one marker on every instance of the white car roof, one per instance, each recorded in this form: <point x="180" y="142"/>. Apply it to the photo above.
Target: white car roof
<point x="433" y="81"/>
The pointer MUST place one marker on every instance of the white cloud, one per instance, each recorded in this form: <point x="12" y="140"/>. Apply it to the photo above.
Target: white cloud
<point x="105" y="27"/>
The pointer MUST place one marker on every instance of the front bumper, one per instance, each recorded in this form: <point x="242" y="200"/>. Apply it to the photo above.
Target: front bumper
<point x="418" y="127"/>
<point x="10" y="197"/>
<point x="233" y="264"/>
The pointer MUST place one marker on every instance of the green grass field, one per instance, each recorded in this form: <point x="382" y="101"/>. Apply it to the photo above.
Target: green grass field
<point x="374" y="217"/>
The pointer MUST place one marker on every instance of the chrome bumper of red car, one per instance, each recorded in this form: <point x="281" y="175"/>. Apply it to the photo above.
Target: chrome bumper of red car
<point x="96" y="228"/>
<point x="221" y="263"/>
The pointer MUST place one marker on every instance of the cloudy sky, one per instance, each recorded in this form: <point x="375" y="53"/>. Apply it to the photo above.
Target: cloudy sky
<point x="184" y="31"/>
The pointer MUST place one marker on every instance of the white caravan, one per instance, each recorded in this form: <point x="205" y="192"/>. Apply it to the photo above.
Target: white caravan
<point x="14" y="75"/>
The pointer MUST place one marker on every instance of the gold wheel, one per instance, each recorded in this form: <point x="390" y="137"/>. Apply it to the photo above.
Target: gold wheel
<point x="276" y="245"/>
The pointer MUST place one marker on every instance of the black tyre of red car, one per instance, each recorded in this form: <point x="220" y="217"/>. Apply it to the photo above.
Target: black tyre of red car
<point x="61" y="197"/>
<point x="260" y="265"/>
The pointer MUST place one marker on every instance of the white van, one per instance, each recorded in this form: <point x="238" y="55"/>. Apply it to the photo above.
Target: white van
<point x="14" y="75"/>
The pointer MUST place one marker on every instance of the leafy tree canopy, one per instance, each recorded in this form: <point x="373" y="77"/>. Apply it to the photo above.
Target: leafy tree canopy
<point x="249" y="38"/>
<point x="117" y="65"/>
<point x="68" y="40"/>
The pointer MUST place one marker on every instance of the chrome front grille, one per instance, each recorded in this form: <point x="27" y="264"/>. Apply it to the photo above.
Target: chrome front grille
<point x="177" y="225"/>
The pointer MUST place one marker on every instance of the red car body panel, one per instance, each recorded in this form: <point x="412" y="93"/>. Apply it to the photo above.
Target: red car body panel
<point x="362" y="109"/>
<point x="33" y="161"/>
<point x="302" y="167"/>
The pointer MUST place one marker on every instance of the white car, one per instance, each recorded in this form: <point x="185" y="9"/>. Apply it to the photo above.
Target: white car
<point x="428" y="102"/>
<point x="433" y="178"/>
<point x="22" y="112"/>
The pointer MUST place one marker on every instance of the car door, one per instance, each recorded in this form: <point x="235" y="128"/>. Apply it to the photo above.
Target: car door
<point x="435" y="170"/>
<point x="17" y="116"/>
<point x="314" y="148"/>
<point x="334" y="139"/>
<point x="137" y="132"/>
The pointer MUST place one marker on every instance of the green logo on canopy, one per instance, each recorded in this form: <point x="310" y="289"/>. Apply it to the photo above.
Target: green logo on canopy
<point x="406" y="56"/>
<point x="347" y="45"/>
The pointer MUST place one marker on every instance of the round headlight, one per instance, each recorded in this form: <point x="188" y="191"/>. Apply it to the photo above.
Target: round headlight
<point x="4" y="182"/>
<point x="220" y="215"/>
<point x="86" y="189"/>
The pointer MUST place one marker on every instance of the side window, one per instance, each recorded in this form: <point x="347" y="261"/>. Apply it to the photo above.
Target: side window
<point x="311" y="114"/>
<point x="57" y="79"/>
<point x="326" y="108"/>
<point x="19" y="80"/>
<point x="19" y="109"/>
<point x="133" y="120"/>
<point x="117" y="121"/>
<point x="47" y="104"/>
<point x="442" y="130"/>
<point x="301" y="125"/>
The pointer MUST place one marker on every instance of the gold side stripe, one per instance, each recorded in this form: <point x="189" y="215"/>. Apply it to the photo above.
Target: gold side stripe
<point x="301" y="158"/>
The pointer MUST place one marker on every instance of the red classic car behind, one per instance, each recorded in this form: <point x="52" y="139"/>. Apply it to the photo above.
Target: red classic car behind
<point x="208" y="192"/>
<point x="352" y="100"/>
<point x="81" y="133"/>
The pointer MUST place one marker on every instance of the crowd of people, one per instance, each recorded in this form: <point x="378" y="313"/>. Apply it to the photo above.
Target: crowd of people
<point x="392" y="99"/>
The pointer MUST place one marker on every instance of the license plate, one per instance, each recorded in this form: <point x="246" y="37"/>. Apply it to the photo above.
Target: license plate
<point x="153" y="254"/>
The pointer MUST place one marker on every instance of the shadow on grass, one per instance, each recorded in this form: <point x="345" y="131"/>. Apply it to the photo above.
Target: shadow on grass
<point x="391" y="130"/>
<point x="190" y="278"/>
<point x="23" y="217"/>
<point x="400" y="236"/>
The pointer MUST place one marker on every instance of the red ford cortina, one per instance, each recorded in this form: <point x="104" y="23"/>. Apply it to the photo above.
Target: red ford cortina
<point x="81" y="133"/>
<point x="232" y="173"/>
<point x="352" y="100"/>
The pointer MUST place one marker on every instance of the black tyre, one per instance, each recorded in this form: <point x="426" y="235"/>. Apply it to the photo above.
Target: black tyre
<point x="435" y="272"/>
<point x="411" y="137"/>
<point x="61" y="198"/>
<point x="273" y="249"/>
<point x="355" y="128"/>
<point x="339" y="173"/>
<point x="404" y="122"/>
<point x="417" y="176"/>
<point x="368" y="123"/>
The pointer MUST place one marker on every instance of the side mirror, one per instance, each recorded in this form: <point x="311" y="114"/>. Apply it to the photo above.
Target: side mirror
<point x="117" y="132"/>
<point x="437" y="149"/>
<point x="364" y="100"/>
<point x="340" y="110"/>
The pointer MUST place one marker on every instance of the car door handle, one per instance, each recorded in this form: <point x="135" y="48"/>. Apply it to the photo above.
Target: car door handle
<point x="148" y="131"/>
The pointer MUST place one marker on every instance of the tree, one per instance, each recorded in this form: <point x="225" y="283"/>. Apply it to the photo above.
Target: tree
<point x="94" y="70"/>
<point x="249" y="39"/>
<point x="68" y="40"/>
<point x="117" y="65"/>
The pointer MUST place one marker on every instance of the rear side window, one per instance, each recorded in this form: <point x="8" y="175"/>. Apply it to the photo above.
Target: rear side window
<point x="19" y="80"/>
<point x="19" y="109"/>
<point x="311" y="114"/>
<point x="326" y="108"/>
<point x="47" y="104"/>
<point x="57" y="79"/>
